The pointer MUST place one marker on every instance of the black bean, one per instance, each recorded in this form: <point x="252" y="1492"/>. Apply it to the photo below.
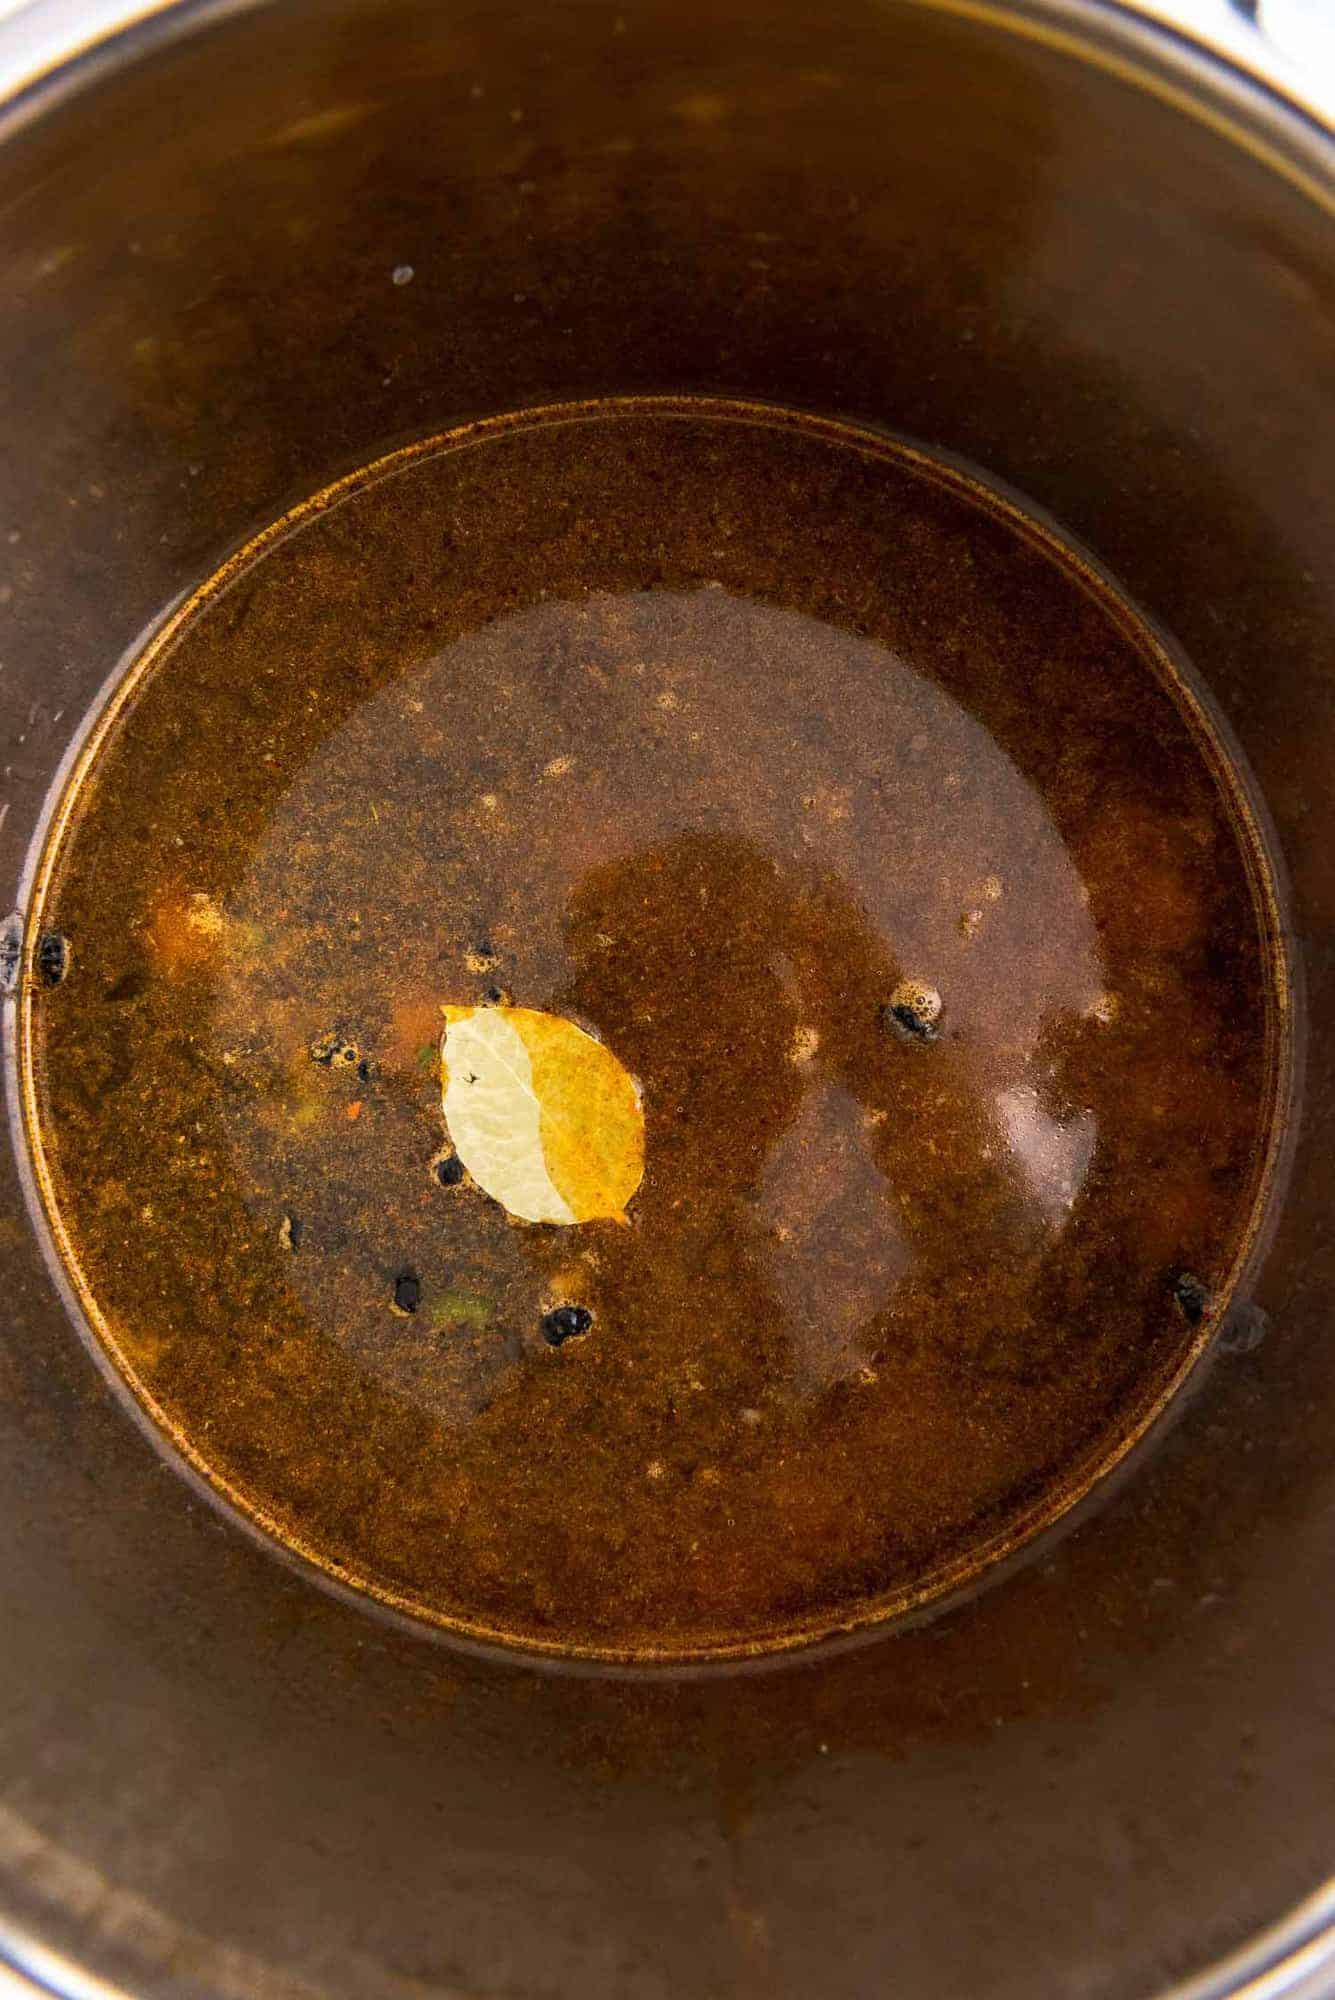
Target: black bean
<point x="53" y="958"/>
<point x="565" y="1323"/>
<point x="1193" y="1297"/>
<point x="407" y="1291"/>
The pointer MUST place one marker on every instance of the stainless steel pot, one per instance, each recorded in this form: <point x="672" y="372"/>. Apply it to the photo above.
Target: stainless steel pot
<point x="1055" y="238"/>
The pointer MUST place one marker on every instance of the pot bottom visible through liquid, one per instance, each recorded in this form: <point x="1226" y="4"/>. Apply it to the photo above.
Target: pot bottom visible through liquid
<point x="716" y="732"/>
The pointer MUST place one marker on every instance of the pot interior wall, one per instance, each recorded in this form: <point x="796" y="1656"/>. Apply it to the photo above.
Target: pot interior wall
<point x="1120" y="1761"/>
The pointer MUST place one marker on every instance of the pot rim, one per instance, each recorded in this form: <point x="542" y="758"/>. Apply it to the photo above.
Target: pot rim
<point x="1221" y="72"/>
<point x="49" y="48"/>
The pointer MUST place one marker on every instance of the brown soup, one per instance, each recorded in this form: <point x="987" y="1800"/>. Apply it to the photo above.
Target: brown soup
<point x="882" y="845"/>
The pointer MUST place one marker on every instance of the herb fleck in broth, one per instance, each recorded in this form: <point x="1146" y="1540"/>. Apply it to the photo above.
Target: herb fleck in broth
<point x="875" y="843"/>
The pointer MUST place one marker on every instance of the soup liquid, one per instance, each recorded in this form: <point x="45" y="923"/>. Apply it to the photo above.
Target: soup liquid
<point x="888" y="853"/>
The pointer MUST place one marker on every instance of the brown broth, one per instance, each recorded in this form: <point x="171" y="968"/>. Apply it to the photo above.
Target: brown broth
<point x="707" y="727"/>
